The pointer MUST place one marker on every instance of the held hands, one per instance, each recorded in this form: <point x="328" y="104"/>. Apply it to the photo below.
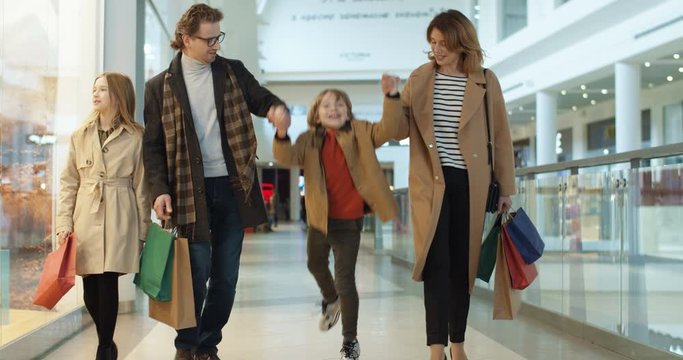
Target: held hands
<point x="279" y="117"/>
<point x="62" y="236"/>
<point x="390" y="84"/>
<point x="162" y="207"/>
<point x="504" y="204"/>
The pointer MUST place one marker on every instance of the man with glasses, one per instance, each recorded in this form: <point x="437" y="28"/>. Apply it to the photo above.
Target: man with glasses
<point x="199" y="156"/>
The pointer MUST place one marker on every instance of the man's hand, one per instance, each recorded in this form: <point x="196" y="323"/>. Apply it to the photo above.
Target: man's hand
<point x="62" y="236"/>
<point x="390" y="84"/>
<point x="279" y="117"/>
<point x="162" y="207"/>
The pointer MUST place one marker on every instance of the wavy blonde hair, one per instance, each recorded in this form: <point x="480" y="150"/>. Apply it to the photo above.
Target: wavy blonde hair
<point x="122" y="98"/>
<point x="461" y="36"/>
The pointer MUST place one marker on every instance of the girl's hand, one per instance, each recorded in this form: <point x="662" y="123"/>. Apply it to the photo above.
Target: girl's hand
<point x="62" y="236"/>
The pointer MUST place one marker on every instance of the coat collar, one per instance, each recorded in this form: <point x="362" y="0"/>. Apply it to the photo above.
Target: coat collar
<point x="423" y="80"/>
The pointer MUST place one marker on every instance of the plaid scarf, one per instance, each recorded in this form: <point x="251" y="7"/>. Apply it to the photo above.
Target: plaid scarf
<point x="241" y="140"/>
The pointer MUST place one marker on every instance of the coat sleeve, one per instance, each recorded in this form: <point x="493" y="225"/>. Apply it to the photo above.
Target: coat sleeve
<point x="153" y="146"/>
<point x="259" y="99"/>
<point x="69" y="182"/>
<point x="288" y="154"/>
<point x="503" y="153"/>
<point x="392" y="123"/>
<point x="141" y="194"/>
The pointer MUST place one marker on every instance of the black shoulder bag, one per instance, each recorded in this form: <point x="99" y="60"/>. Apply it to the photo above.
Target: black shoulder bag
<point x="494" y="187"/>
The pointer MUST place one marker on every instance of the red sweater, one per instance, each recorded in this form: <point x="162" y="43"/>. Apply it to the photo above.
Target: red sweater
<point x="344" y="201"/>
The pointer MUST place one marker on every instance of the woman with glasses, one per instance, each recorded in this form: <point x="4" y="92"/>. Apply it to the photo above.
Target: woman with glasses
<point x="444" y="102"/>
<point x="104" y="201"/>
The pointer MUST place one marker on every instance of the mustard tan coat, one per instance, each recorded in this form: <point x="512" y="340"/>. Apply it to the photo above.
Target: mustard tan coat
<point x="426" y="185"/>
<point x="104" y="199"/>
<point x="358" y="144"/>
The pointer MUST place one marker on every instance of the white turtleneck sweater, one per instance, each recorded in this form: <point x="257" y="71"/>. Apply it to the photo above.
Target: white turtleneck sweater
<point x="200" y="91"/>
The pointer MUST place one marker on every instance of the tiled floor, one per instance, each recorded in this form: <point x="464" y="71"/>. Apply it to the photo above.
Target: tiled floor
<point x="276" y="313"/>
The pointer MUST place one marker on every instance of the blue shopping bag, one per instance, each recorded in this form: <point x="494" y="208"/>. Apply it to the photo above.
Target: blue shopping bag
<point x="524" y="235"/>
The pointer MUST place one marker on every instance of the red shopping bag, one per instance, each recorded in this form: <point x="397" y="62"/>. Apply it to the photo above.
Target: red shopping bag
<point x="521" y="273"/>
<point x="59" y="274"/>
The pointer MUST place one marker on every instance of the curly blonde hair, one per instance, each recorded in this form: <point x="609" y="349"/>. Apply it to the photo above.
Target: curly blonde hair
<point x="190" y="21"/>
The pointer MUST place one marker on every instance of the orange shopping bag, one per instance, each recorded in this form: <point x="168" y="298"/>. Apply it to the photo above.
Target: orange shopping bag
<point x="59" y="274"/>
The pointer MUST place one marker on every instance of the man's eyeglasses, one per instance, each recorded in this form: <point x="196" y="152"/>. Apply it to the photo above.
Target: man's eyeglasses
<point x="212" y="40"/>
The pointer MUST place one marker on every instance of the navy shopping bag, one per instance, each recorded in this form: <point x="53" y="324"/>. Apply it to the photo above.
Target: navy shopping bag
<point x="524" y="235"/>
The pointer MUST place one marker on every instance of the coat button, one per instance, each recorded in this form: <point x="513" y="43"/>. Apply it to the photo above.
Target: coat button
<point x="436" y="177"/>
<point x="199" y="190"/>
<point x="88" y="162"/>
<point x="430" y="146"/>
<point x="475" y="155"/>
<point x="105" y="149"/>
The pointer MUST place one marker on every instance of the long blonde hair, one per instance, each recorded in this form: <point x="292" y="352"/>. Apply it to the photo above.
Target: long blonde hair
<point x="461" y="36"/>
<point x="122" y="98"/>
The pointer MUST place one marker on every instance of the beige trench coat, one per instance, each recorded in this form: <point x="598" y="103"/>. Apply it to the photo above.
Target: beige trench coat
<point x="426" y="185"/>
<point x="104" y="199"/>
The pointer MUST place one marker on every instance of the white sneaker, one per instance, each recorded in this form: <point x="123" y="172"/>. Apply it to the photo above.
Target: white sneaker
<point x="350" y="350"/>
<point x="330" y="314"/>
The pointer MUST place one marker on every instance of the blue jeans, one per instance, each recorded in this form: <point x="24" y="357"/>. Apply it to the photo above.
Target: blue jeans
<point x="215" y="267"/>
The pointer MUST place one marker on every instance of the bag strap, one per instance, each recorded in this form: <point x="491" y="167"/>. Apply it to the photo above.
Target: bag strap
<point x="489" y="144"/>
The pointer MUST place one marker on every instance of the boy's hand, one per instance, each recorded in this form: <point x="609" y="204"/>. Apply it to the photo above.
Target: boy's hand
<point x="390" y="84"/>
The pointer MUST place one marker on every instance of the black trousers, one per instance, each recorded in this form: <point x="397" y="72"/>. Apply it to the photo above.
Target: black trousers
<point x="101" y="297"/>
<point x="446" y="284"/>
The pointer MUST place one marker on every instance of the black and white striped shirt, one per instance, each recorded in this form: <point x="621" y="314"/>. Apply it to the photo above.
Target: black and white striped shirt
<point x="449" y="92"/>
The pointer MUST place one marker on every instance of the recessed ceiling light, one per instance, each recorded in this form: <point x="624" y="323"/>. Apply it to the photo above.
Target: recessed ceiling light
<point x="677" y="56"/>
<point x="583" y="87"/>
<point x="650" y="85"/>
<point x="574" y="108"/>
<point x="585" y="96"/>
<point x="669" y="78"/>
<point x="593" y="102"/>
<point x="533" y="118"/>
<point x="521" y="108"/>
<point x="270" y="163"/>
<point x="604" y="91"/>
<point x="605" y="151"/>
<point x="680" y="69"/>
<point x="563" y="92"/>
<point x="509" y="112"/>
<point x="647" y="64"/>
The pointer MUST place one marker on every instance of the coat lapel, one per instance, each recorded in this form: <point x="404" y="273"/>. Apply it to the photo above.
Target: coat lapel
<point x="424" y="121"/>
<point x="218" y="72"/>
<point x="474" y="96"/>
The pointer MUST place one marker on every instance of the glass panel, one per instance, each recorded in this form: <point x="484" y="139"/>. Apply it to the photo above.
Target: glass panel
<point x="44" y="95"/>
<point x="653" y="259"/>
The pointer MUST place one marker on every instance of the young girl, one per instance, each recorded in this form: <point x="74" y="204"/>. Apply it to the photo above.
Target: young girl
<point x="103" y="200"/>
<point x="343" y="178"/>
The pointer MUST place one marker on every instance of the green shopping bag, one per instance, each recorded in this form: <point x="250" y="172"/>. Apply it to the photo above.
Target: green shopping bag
<point x="156" y="265"/>
<point x="487" y="256"/>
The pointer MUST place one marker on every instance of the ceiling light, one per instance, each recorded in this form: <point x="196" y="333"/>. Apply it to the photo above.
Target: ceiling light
<point x="533" y="118"/>
<point x="677" y="56"/>
<point x="593" y="102"/>
<point x="583" y="87"/>
<point x="509" y="112"/>
<point x="521" y="108"/>
<point x="604" y="91"/>
<point x="585" y="96"/>
<point x="574" y="108"/>
<point x="647" y="64"/>
<point x="270" y="163"/>
<point x="563" y="92"/>
<point x="605" y="151"/>
<point x="669" y="78"/>
<point x="650" y="85"/>
<point x="680" y="69"/>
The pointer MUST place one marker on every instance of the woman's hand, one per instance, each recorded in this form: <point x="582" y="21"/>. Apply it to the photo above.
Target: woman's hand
<point x="390" y="84"/>
<point x="504" y="204"/>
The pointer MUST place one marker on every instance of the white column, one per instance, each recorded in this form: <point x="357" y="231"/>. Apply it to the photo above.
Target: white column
<point x="578" y="140"/>
<point x="240" y="24"/>
<point x="657" y="126"/>
<point x="121" y="43"/>
<point x="546" y="127"/>
<point x="294" y="197"/>
<point x="627" y="106"/>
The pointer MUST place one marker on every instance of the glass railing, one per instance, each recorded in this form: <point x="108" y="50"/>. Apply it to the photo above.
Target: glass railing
<point x="614" y="249"/>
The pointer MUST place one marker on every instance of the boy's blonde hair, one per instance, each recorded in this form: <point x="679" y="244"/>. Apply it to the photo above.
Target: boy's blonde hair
<point x="312" y="117"/>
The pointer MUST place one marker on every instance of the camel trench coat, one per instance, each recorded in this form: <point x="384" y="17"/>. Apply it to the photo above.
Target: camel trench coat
<point x="426" y="184"/>
<point x="104" y="199"/>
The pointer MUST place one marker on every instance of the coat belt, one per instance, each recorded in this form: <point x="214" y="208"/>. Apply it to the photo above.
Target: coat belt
<point x="97" y="186"/>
